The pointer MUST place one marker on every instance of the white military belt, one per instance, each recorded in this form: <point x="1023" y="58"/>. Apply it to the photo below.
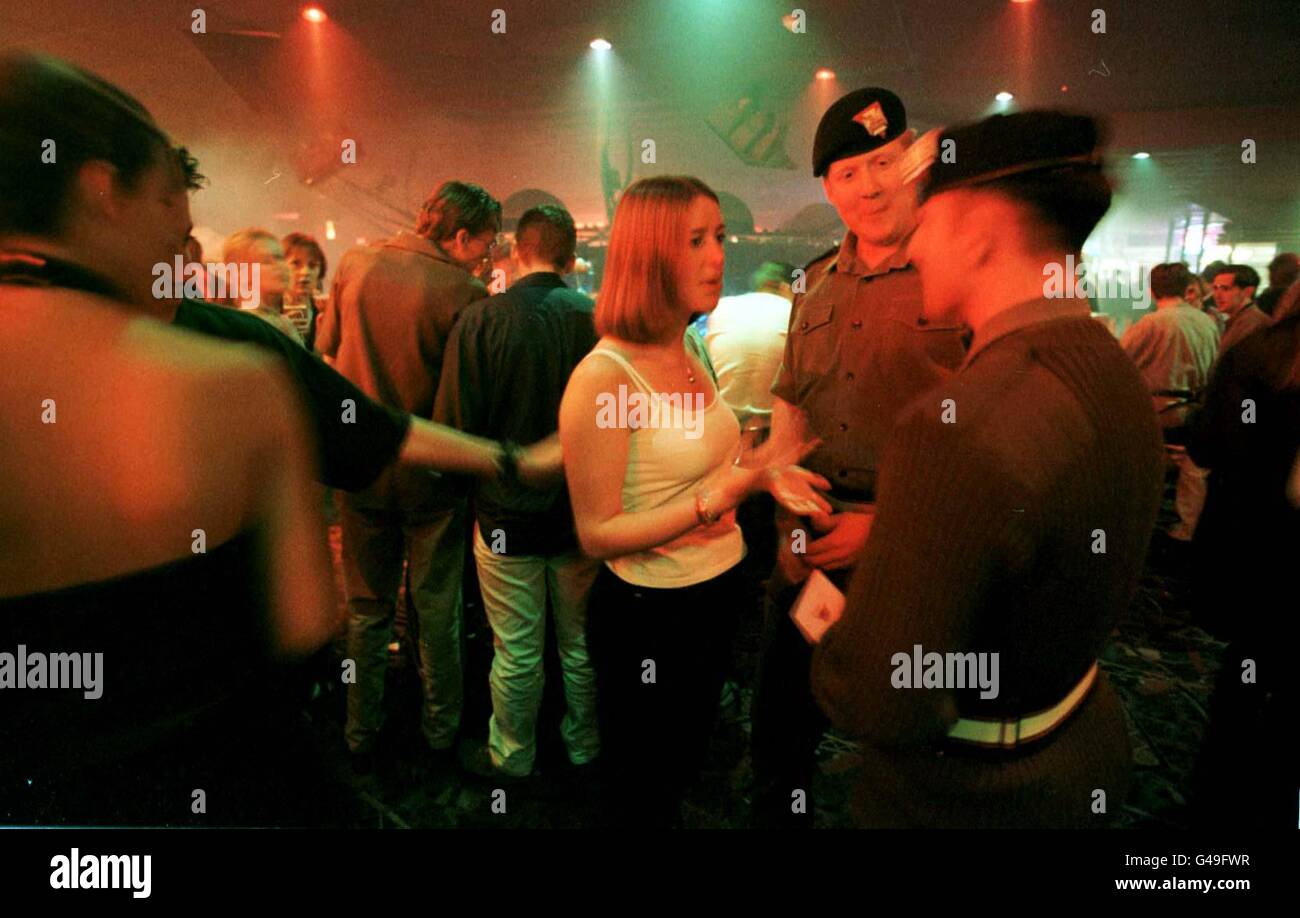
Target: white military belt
<point x="1007" y="734"/>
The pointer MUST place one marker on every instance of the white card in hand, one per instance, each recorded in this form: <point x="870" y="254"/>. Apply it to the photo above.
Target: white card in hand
<point x="819" y="606"/>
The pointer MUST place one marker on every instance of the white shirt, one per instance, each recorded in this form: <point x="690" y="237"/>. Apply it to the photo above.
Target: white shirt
<point x="1174" y="348"/>
<point x="746" y="341"/>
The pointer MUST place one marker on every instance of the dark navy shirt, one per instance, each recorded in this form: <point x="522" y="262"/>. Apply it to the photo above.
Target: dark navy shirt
<point x="507" y="362"/>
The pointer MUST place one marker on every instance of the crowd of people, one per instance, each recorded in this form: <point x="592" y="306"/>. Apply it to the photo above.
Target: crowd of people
<point x="910" y="436"/>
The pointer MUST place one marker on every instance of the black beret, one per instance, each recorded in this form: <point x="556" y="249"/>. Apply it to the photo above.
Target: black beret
<point x="859" y="122"/>
<point x="1007" y="145"/>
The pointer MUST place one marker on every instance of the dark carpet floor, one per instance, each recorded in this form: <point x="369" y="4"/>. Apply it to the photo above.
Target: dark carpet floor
<point x="1162" y="665"/>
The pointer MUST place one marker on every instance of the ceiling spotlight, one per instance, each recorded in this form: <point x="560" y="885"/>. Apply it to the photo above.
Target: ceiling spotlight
<point x="825" y="73"/>
<point x="1142" y="155"/>
<point x="314" y="14"/>
<point x="600" y="44"/>
<point x="1004" y="96"/>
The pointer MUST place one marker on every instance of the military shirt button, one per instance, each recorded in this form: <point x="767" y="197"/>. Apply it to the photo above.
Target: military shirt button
<point x="857" y="323"/>
<point x="804" y="326"/>
<point x="844" y="426"/>
<point x="848" y="375"/>
<point x="922" y="321"/>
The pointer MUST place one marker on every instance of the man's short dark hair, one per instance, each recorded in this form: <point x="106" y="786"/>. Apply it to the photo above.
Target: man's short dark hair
<point x="546" y="233"/>
<point x="1170" y="279"/>
<point x="1067" y="203"/>
<point x="48" y="106"/>
<point x="772" y="274"/>
<point x="454" y="206"/>
<point x="1242" y="275"/>
<point x="1213" y="270"/>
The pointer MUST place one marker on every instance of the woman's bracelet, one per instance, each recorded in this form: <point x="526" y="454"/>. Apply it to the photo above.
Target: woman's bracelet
<point x="706" y="516"/>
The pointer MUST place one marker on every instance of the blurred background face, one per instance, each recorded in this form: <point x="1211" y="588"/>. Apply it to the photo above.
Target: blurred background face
<point x="870" y="196"/>
<point x="700" y="268"/>
<point x="306" y="271"/>
<point x="276" y="276"/>
<point x="1228" y="296"/>
<point x="935" y="258"/>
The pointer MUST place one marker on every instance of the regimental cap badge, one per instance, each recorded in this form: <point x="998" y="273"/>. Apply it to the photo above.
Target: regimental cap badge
<point x="873" y="119"/>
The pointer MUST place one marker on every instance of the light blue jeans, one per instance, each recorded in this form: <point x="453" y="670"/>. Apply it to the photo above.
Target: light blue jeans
<point x="515" y="590"/>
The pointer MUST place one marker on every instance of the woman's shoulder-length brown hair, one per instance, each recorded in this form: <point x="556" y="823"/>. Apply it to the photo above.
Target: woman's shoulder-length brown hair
<point x="638" y="293"/>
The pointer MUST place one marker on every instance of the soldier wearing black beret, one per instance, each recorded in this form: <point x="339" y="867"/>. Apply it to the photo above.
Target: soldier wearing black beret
<point x="1016" y="502"/>
<point x="858" y="350"/>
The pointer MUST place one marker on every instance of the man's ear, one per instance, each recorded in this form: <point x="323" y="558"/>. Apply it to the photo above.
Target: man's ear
<point x="1192" y="294"/>
<point x="982" y="225"/>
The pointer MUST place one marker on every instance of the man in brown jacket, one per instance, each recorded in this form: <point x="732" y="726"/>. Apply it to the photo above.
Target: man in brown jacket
<point x="392" y="308"/>
<point x="1015" y="500"/>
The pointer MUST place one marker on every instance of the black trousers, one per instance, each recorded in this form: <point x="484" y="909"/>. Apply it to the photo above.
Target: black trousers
<point x="787" y="725"/>
<point x="660" y="658"/>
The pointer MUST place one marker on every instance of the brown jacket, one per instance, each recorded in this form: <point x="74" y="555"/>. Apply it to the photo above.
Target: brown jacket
<point x="392" y="307"/>
<point x="986" y="540"/>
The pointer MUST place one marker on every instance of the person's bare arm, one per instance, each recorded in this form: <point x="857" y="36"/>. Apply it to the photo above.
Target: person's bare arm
<point x="445" y="449"/>
<point x="287" y="511"/>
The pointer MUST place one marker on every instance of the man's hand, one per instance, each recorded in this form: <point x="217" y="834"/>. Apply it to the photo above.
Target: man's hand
<point x="541" y="464"/>
<point x="841" y="546"/>
<point x="791" y="566"/>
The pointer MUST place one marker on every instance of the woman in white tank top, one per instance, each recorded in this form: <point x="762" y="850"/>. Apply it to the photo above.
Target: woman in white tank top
<point x="650" y="455"/>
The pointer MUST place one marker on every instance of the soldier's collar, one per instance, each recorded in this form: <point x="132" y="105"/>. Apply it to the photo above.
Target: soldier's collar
<point x="847" y="261"/>
<point x="1020" y="316"/>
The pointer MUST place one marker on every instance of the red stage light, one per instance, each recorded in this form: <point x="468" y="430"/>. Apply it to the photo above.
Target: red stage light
<point x="314" y="14"/>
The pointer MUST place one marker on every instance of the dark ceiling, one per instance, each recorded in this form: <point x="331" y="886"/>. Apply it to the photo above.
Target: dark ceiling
<point x="1187" y="80"/>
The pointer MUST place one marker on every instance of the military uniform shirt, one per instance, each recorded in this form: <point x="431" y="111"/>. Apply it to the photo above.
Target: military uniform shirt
<point x="857" y="352"/>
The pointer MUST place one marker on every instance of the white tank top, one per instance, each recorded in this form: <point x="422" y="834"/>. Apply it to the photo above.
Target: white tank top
<point x="671" y="450"/>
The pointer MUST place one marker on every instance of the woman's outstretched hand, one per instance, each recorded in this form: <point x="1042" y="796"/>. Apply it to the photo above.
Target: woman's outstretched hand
<point x="794" y="487"/>
<point x="775" y="468"/>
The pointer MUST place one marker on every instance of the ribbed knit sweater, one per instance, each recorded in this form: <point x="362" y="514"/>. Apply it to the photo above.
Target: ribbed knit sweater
<point x="1013" y="519"/>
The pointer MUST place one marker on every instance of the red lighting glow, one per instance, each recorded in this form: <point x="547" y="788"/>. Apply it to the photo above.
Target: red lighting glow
<point x="314" y="14"/>
<point x="825" y="73"/>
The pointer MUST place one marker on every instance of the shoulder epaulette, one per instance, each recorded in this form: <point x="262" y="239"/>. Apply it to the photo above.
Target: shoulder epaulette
<point x="833" y="250"/>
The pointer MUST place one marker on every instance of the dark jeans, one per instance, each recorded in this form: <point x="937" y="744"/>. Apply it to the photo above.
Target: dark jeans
<point x="787" y="725"/>
<point x="655" y="734"/>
